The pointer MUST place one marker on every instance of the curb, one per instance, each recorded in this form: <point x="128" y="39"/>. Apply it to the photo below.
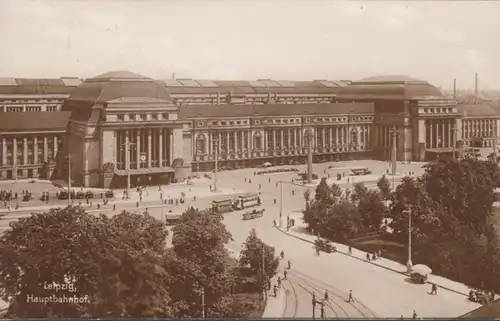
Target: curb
<point x="376" y="264"/>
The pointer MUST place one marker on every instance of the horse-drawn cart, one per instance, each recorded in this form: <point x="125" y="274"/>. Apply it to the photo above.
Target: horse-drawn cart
<point x="253" y="214"/>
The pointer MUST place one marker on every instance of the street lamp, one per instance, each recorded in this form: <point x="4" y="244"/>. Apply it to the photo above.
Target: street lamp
<point x="409" y="264"/>
<point x="69" y="177"/>
<point x="310" y="137"/>
<point x="394" y="133"/>
<point x="216" y="156"/>
<point x="203" y="303"/>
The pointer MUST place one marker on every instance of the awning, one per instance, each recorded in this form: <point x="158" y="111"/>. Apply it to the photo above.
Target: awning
<point x="144" y="171"/>
<point x="442" y="150"/>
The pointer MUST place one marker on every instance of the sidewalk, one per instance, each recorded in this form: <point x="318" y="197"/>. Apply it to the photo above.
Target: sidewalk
<point x="150" y="198"/>
<point x="396" y="267"/>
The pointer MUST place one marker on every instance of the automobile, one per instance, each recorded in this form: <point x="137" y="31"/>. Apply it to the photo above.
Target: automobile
<point x="89" y="194"/>
<point x="109" y="194"/>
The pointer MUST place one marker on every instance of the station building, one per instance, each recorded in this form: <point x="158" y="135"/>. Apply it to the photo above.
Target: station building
<point x="120" y="124"/>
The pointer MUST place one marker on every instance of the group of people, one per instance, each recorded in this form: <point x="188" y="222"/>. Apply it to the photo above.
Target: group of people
<point x="275" y="171"/>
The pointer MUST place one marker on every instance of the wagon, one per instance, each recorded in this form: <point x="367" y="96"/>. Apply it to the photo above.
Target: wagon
<point x="324" y="246"/>
<point x="253" y="214"/>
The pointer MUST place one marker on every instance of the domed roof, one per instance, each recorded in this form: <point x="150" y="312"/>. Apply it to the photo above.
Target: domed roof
<point x="390" y="87"/>
<point x="120" y="74"/>
<point x="391" y="78"/>
<point x="96" y="92"/>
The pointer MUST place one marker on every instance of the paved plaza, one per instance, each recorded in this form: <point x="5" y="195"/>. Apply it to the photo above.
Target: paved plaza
<point x="378" y="291"/>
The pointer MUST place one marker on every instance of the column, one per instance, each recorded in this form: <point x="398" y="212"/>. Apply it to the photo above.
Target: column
<point x="127" y="150"/>
<point x="290" y="132"/>
<point x="274" y="139"/>
<point x="56" y="148"/>
<point x="45" y="149"/>
<point x="14" y="151"/>
<point x="149" y="148"/>
<point x="337" y="135"/>
<point x="281" y="138"/>
<point x="324" y="136"/>
<point x="171" y="146"/>
<point x="442" y="132"/>
<point x="25" y="151"/>
<point x="235" y="135"/>
<point x="330" y="132"/>
<point x="4" y="151"/>
<point x="160" y="147"/>
<point x="450" y="133"/>
<point x="35" y="150"/>
<point x="431" y="134"/>
<point x="138" y="148"/>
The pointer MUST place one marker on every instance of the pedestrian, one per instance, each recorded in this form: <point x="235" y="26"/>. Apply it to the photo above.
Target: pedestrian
<point x="275" y="290"/>
<point x="350" y="250"/>
<point x="289" y="264"/>
<point x="368" y="257"/>
<point x="279" y="282"/>
<point x="282" y="254"/>
<point x="285" y="274"/>
<point x="137" y="204"/>
<point x="269" y="180"/>
<point x="379" y="254"/>
<point x="326" y="295"/>
<point x="274" y="221"/>
<point x="114" y="207"/>
<point x="260" y="185"/>
<point x="434" y="289"/>
<point x="351" y="299"/>
<point x="414" y="314"/>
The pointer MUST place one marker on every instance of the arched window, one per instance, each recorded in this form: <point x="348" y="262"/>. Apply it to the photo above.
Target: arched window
<point x="201" y="144"/>
<point x="257" y="141"/>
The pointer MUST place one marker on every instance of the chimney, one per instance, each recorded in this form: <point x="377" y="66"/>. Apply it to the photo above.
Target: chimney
<point x="476" y="86"/>
<point x="454" y="88"/>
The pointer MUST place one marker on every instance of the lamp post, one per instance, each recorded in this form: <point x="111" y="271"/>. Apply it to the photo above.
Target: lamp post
<point x="409" y="264"/>
<point x="281" y="200"/>
<point x="310" y="137"/>
<point x="394" y="133"/>
<point x="203" y="303"/>
<point x="216" y="156"/>
<point x="69" y="177"/>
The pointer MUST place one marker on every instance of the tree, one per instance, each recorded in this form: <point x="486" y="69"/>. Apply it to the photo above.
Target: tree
<point x="411" y="195"/>
<point x="199" y="241"/>
<point x="343" y="222"/>
<point x="385" y="186"/>
<point x="360" y="191"/>
<point x="117" y="263"/>
<point x="372" y="209"/>
<point x="256" y="253"/>
<point x="465" y="188"/>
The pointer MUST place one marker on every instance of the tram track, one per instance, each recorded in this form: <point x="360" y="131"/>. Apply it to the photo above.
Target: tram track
<point x="326" y="303"/>
<point x="295" y="304"/>
<point x="358" y="306"/>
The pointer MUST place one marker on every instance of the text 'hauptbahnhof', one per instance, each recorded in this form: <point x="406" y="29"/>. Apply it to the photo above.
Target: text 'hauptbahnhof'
<point x="159" y="131"/>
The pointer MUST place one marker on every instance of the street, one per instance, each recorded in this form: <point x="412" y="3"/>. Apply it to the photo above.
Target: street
<point x="377" y="292"/>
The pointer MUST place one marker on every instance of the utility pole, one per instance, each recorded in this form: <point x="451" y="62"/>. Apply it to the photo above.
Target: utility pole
<point x="394" y="132"/>
<point x="69" y="177"/>
<point x="314" y="306"/>
<point x="281" y="200"/>
<point x="264" y="277"/>
<point x="409" y="264"/>
<point x="216" y="162"/>
<point x="203" y="303"/>
<point x="309" y="136"/>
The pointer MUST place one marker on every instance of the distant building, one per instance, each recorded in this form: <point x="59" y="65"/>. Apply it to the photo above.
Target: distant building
<point x="122" y="124"/>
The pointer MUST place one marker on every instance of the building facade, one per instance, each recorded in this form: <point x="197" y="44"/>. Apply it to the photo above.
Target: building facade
<point x="121" y="126"/>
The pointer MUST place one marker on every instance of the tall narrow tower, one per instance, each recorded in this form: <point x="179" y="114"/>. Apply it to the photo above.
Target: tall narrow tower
<point x="476" y="86"/>
<point x="310" y="138"/>
<point x="454" y="88"/>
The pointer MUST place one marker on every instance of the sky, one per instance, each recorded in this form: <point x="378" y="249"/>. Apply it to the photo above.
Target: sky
<point x="253" y="39"/>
